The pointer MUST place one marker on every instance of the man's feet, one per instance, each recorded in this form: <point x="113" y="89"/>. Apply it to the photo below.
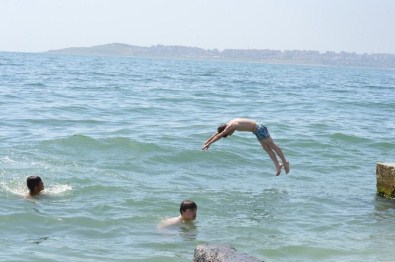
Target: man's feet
<point x="279" y="169"/>
<point x="286" y="167"/>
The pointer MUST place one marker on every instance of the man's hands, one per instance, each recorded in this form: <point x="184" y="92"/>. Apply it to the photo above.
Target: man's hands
<point x="206" y="146"/>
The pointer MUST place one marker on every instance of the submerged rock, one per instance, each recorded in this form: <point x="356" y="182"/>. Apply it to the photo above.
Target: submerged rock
<point x="385" y="175"/>
<point x="221" y="253"/>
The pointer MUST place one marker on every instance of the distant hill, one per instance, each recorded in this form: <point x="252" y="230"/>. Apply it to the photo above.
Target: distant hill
<point x="251" y="55"/>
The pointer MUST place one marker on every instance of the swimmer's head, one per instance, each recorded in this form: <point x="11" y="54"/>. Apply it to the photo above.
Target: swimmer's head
<point x="188" y="209"/>
<point x="34" y="184"/>
<point x="221" y="128"/>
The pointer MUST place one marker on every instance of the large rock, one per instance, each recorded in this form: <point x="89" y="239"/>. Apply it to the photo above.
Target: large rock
<point x="220" y="253"/>
<point x="385" y="175"/>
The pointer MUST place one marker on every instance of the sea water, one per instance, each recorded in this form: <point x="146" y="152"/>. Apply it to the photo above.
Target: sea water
<point x="117" y="142"/>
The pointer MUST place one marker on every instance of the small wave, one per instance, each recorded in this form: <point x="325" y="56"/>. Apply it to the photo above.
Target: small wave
<point x="82" y="142"/>
<point x="126" y="143"/>
<point x="36" y="84"/>
<point x="349" y="138"/>
<point x="208" y="73"/>
<point x="384" y="145"/>
<point x="308" y="143"/>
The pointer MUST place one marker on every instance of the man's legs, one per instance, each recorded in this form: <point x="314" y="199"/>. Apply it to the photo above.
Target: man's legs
<point x="269" y="146"/>
<point x="272" y="156"/>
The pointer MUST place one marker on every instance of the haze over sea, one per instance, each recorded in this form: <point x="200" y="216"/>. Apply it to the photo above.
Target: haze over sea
<point x="117" y="142"/>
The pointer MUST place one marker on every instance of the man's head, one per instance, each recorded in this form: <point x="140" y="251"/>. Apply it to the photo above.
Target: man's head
<point x="188" y="210"/>
<point x="221" y="128"/>
<point x="35" y="184"/>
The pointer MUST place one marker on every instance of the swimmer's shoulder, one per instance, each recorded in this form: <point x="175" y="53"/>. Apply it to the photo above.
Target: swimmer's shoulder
<point x="169" y="222"/>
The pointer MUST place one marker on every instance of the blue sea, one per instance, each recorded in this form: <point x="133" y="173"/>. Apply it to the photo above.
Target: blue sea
<point x="117" y="142"/>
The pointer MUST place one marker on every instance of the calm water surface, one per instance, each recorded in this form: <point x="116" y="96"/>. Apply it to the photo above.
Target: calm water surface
<point x="118" y="142"/>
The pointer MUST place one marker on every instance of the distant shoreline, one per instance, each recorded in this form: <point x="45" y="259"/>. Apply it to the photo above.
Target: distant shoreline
<point x="304" y="57"/>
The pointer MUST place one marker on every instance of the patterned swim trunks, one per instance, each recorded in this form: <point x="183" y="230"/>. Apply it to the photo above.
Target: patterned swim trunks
<point x="261" y="132"/>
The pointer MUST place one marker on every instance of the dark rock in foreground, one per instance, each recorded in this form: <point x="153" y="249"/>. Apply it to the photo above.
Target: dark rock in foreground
<point x="221" y="253"/>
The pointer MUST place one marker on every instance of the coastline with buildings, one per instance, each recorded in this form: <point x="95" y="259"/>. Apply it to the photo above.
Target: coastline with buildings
<point x="247" y="55"/>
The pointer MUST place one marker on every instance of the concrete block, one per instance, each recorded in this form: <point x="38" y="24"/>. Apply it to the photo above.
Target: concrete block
<point x="385" y="176"/>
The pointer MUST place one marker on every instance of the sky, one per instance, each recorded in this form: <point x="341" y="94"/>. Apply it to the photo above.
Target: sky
<point x="360" y="26"/>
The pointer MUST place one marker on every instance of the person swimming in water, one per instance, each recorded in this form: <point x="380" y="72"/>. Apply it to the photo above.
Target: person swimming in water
<point x="35" y="185"/>
<point x="188" y="211"/>
<point x="262" y="134"/>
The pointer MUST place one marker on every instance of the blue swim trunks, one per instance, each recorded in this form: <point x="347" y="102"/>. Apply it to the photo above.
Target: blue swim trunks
<point x="261" y="132"/>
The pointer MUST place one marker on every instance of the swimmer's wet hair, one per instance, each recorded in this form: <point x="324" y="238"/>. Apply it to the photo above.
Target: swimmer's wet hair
<point x="221" y="128"/>
<point x="32" y="182"/>
<point x="187" y="204"/>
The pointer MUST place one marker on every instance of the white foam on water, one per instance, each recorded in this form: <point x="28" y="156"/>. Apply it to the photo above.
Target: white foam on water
<point x="21" y="189"/>
<point x="58" y="189"/>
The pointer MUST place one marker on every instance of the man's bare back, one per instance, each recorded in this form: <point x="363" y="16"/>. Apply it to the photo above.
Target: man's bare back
<point x="242" y="124"/>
